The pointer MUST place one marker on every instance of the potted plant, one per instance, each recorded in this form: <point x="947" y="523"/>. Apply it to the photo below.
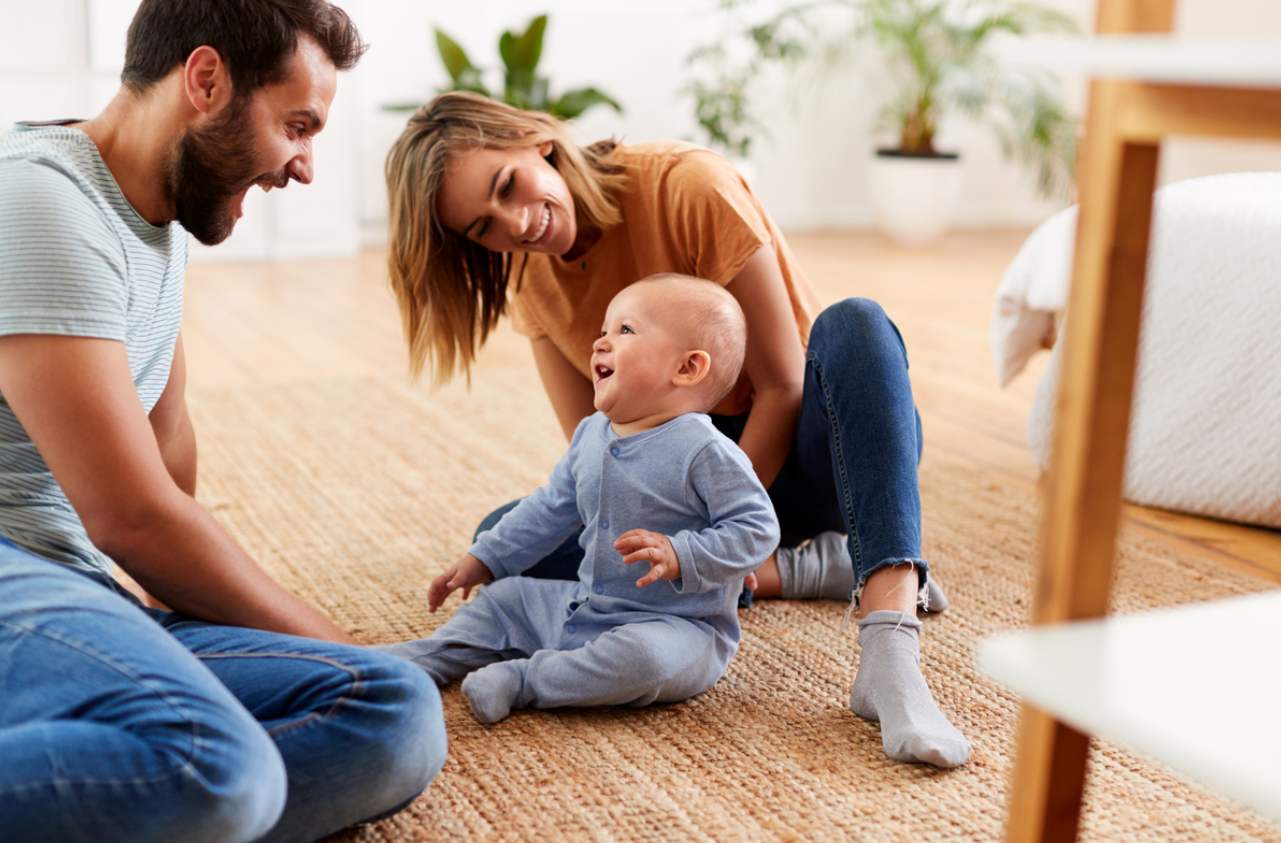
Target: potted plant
<point x="721" y="94"/>
<point x="522" y="86"/>
<point x="939" y="62"/>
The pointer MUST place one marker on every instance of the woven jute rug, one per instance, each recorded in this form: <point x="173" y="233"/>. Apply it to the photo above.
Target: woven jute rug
<point x="355" y="493"/>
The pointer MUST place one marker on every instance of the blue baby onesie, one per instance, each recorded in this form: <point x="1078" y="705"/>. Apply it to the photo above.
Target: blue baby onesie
<point x="602" y="640"/>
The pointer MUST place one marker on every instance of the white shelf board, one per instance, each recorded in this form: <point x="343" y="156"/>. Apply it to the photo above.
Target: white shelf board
<point x="1152" y="58"/>
<point x="1197" y="688"/>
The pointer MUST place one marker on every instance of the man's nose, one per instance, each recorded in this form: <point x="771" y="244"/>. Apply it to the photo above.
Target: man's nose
<point x="301" y="169"/>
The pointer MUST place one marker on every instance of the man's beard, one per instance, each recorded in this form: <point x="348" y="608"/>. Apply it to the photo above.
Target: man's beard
<point x="211" y="166"/>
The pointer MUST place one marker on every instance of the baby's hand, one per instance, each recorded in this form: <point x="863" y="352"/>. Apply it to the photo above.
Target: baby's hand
<point x="466" y="574"/>
<point x="654" y="548"/>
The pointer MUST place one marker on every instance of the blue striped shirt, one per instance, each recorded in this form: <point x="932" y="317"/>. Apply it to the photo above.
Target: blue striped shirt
<point x="76" y="260"/>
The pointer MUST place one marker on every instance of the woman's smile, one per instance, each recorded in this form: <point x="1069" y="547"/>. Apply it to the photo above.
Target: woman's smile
<point x="544" y="229"/>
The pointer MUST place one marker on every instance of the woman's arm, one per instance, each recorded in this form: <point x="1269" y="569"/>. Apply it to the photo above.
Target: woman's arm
<point x="571" y="394"/>
<point x="775" y="363"/>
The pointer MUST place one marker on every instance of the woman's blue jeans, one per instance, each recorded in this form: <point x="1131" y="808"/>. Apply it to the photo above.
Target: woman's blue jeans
<point x="852" y="467"/>
<point x="124" y="723"/>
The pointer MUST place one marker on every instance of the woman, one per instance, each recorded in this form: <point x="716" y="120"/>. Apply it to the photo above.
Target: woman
<point x="488" y="200"/>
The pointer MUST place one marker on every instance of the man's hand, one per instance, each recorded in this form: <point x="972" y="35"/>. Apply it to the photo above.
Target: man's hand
<point x="654" y="548"/>
<point x="466" y="573"/>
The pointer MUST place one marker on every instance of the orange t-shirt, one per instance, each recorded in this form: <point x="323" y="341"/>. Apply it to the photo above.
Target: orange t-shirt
<point x="685" y="209"/>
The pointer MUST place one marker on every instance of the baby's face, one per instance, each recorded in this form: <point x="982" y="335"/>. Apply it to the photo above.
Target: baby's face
<point x="637" y="355"/>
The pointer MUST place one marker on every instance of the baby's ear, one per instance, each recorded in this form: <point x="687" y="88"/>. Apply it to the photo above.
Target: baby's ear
<point x="693" y="369"/>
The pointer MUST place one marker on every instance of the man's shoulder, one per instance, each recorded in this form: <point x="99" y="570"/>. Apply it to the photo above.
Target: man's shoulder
<point x="44" y="182"/>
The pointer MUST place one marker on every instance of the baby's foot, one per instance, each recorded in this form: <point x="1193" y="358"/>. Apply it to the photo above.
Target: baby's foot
<point x="492" y="690"/>
<point x="821" y="569"/>
<point x="890" y="688"/>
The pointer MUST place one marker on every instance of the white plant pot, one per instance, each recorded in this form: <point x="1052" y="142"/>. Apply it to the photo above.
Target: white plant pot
<point x="915" y="197"/>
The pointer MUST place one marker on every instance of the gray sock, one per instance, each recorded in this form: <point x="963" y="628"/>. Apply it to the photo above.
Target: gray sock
<point x="821" y="569"/>
<point x="492" y="690"/>
<point x="890" y="688"/>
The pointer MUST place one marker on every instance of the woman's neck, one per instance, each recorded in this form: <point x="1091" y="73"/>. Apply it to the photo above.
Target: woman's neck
<point x="588" y="236"/>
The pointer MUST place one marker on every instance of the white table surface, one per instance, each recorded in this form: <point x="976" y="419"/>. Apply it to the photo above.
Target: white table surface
<point x="1152" y="58"/>
<point x="1197" y="688"/>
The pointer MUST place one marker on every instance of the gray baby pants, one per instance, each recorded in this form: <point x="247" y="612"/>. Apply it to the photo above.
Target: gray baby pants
<point x="569" y="654"/>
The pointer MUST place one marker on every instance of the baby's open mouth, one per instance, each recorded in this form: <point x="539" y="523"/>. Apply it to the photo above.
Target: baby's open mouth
<point x="603" y="372"/>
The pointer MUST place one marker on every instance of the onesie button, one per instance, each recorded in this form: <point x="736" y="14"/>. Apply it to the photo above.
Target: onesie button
<point x="604" y="524"/>
<point x="599" y="589"/>
<point x="570" y="628"/>
<point x="614" y="451"/>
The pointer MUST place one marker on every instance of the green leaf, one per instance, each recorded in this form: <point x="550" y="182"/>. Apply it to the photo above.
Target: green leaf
<point x="507" y="49"/>
<point x="524" y="51"/>
<point x="520" y="88"/>
<point x="452" y="55"/>
<point x="573" y="103"/>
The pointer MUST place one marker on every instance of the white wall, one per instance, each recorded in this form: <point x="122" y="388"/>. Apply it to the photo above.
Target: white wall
<point x="61" y="57"/>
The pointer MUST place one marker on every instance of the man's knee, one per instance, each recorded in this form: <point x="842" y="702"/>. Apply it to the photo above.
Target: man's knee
<point x="233" y="786"/>
<point x="407" y="746"/>
<point x="248" y="802"/>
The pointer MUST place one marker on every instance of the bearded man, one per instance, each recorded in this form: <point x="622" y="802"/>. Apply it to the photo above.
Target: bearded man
<point x="240" y="712"/>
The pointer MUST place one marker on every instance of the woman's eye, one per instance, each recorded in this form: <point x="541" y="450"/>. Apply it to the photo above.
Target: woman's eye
<point x="506" y="189"/>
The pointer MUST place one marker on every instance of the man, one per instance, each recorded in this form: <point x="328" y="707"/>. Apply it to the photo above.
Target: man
<point x="244" y="713"/>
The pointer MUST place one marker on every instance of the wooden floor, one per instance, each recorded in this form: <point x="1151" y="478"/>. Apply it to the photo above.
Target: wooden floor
<point x="261" y="324"/>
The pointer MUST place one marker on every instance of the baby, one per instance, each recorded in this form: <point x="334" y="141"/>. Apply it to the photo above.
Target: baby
<point x="650" y="481"/>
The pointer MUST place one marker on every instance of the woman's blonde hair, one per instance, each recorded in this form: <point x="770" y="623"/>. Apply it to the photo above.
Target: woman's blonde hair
<point x="451" y="291"/>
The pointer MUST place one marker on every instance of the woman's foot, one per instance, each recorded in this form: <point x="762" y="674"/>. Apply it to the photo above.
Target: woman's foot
<point x="890" y="689"/>
<point x="821" y="569"/>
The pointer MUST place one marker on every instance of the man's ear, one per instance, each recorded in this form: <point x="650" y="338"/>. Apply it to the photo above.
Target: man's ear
<point x="694" y="368"/>
<point x="205" y="80"/>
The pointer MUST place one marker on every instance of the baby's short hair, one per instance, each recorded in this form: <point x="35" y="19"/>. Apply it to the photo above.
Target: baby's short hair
<point x="715" y="323"/>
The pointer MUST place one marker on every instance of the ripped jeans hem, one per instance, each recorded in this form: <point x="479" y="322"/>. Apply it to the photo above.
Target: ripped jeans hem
<point x="922" y="593"/>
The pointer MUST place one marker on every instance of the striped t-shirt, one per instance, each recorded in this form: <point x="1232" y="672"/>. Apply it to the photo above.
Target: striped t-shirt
<point x="76" y="260"/>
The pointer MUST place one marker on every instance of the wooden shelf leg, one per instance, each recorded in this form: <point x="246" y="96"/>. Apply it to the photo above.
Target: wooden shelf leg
<point x="1082" y="505"/>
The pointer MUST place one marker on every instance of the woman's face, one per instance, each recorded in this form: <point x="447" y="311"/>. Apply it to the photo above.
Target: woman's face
<point x="508" y="200"/>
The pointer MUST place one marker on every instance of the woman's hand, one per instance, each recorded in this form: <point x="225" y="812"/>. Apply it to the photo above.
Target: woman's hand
<point x="654" y="548"/>
<point x="466" y="574"/>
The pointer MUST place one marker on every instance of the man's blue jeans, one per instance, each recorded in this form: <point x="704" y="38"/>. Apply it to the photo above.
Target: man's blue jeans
<point x="124" y="723"/>
<point x="852" y="467"/>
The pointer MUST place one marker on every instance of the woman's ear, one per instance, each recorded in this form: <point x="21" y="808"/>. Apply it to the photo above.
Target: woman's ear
<point x="547" y="150"/>
<point x="693" y="369"/>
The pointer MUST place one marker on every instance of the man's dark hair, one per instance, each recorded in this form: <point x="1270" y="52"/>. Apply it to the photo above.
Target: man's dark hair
<point x="254" y="37"/>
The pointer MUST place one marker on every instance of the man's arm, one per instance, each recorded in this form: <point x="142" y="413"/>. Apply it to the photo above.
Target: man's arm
<point x="172" y="425"/>
<point x="74" y="396"/>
